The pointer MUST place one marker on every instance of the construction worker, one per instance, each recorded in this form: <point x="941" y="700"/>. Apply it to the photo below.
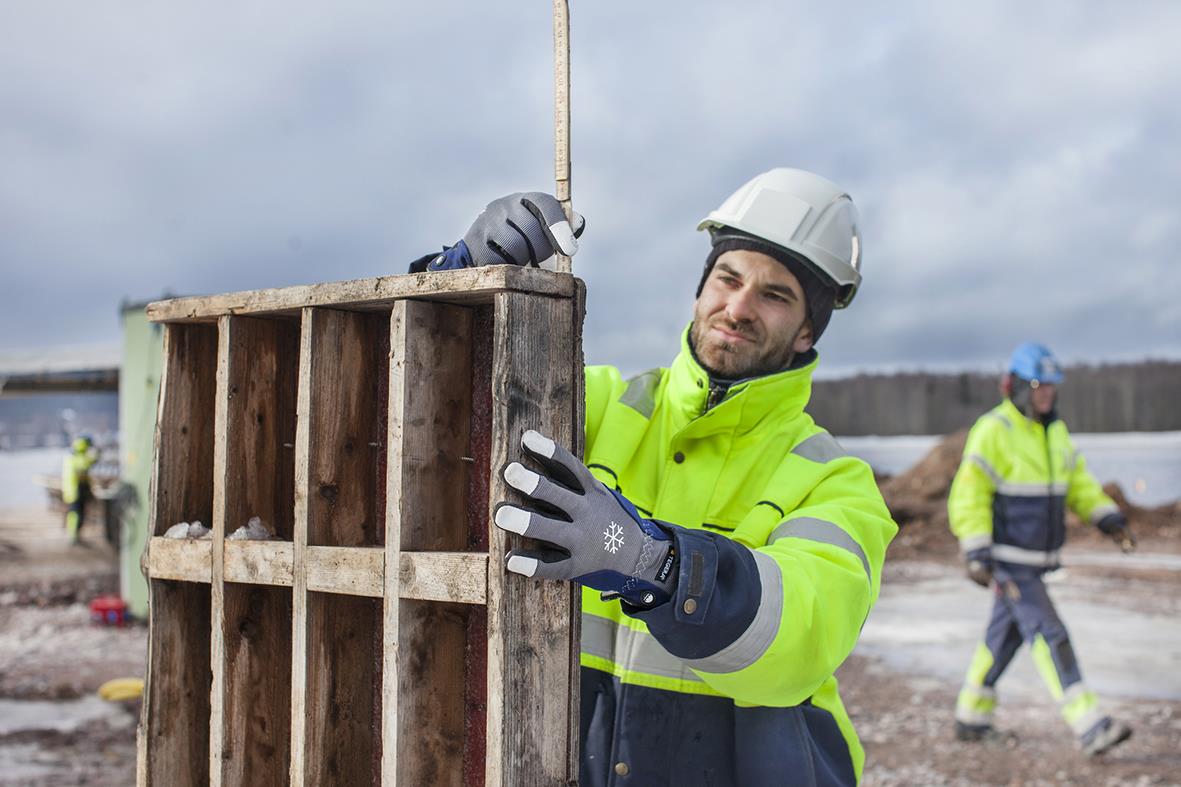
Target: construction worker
<point x="728" y="549"/>
<point x="1019" y="473"/>
<point x="76" y="484"/>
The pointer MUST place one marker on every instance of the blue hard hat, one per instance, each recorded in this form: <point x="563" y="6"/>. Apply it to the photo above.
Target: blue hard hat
<point x="1033" y="361"/>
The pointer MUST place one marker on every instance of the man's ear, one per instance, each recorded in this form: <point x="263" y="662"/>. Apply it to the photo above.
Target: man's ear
<point x="803" y="340"/>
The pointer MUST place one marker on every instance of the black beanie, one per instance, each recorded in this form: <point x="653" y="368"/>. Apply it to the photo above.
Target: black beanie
<point x="819" y="296"/>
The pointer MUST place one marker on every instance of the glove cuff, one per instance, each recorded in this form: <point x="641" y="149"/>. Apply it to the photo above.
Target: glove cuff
<point x="655" y="578"/>
<point x="1112" y="523"/>
<point x="453" y="258"/>
<point x="979" y="555"/>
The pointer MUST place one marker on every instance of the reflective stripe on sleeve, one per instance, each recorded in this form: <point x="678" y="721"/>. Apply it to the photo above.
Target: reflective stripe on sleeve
<point x="1008" y="424"/>
<point x="975" y="542"/>
<point x="1006" y="553"/>
<point x="823" y="532"/>
<point x="641" y="392"/>
<point x="988" y="469"/>
<point x="631" y="649"/>
<point x="752" y="643"/>
<point x="1102" y="511"/>
<point x="820" y="447"/>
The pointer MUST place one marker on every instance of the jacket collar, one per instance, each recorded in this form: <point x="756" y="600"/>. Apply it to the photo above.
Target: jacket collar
<point x="747" y="403"/>
<point x="1019" y="418"/>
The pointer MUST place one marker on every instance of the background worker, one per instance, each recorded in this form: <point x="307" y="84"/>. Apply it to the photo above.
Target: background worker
<point x="76" y="484"/>
<point x="1007" y="506"/>
<point x="729" y="551"/>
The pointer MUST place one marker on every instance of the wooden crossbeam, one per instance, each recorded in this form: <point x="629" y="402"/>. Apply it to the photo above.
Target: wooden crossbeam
<point x="455" y="577"/>
<point x="471" y="285"/>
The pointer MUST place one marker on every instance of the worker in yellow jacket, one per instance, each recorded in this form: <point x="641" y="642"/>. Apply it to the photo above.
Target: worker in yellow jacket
<point x="1019" y="474"/>
<point x="728" y="549"/>
<point x="76" y="484"/>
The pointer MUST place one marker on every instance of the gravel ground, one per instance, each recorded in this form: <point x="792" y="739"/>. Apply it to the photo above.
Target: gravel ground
<point x="53" y="729"/>
<point x="905" y="724"/>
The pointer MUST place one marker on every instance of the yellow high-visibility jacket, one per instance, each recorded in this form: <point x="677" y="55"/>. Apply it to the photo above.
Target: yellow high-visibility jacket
<point x="780" y="539"/>
<point x="75" y="470"/>
<point x="1014" y="484"/>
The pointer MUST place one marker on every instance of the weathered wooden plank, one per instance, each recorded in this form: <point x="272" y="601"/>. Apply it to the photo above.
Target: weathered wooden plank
<point x="182" y="485"/>
<point x="460" y="577"/>
<point x="472" y="285"/>
<point x="342" y="721"/>
<point x="258" y="364"/>
<point x="259" y="562"/>
<point x="347" y="421"/>
<point x="180" y="559"/>
<point x="347" y="359"/>
<point x="174" y="737"/>
<point x="260" y="404"/>
<point x="578" y="447"/>
<point x="299" y="590"/>
<point x="429" y="424"/>
<point x="391" y="602"/>
<point x="177" y="731"/>
<point x="256" y="743"/>
<point x="352" y="571"/>
<point x="217" y="641"/>
<point x="533" y="625"/>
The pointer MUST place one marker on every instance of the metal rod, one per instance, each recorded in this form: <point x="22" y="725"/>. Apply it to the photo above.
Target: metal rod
<point x="562" y="115"/>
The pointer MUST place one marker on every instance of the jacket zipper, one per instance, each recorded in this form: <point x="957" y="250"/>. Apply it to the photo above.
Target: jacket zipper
<point x="1050" y="521"/>
<point x="716" y="394"/>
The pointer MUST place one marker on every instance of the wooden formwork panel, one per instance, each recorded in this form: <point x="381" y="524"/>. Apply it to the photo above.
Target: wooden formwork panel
<point x="377" y="638"/>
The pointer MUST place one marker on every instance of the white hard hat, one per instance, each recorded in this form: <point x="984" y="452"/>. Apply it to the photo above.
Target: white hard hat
<point x="803" y="213"/>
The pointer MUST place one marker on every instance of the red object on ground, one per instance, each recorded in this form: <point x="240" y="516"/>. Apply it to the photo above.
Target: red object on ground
<point x="108" y="610"/>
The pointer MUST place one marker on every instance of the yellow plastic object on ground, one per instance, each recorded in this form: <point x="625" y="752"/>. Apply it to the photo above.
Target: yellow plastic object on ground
<point x="121" y="689"/>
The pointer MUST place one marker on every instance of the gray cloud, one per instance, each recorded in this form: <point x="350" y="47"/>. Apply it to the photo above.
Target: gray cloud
<point x="1015" y="166"/>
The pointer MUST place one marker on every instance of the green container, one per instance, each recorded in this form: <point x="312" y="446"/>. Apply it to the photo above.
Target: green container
<point x="139" y="387"/>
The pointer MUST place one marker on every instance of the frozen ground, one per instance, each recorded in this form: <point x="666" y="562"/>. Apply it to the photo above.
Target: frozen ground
<point x="17" y="469"/>
<point x="1146" y="465"/>
<point x="1127" y="637"/>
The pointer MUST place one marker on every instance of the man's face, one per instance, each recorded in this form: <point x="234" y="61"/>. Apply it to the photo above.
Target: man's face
<point x="750" y="318"/>
<point x="1041" y="398"/>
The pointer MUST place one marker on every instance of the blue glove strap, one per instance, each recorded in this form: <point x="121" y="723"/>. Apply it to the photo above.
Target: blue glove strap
<point x="452" y="258"/>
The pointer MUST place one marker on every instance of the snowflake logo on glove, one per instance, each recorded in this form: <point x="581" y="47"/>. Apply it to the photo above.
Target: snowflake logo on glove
<point x="612" y="538"/>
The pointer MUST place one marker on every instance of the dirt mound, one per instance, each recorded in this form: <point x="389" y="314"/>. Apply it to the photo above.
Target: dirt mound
<point x="918" y="501"/>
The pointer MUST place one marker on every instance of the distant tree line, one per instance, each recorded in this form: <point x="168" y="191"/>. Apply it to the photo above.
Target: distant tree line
<point x="1134" y="397"/>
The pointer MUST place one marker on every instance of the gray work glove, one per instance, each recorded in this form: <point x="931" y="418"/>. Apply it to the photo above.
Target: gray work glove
<point x="978" y="563"/>
<point x="598" y="537"/>
<point x="522" y="229"/>
<point x="1116" y="526"/>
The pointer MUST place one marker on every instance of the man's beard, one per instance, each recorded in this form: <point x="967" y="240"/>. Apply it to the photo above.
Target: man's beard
<point x="764" y="363"/>
<point x="1021" y="395"/>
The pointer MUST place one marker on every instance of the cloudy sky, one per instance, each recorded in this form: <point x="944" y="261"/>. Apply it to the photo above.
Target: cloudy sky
<point x="1016" y="164"/>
